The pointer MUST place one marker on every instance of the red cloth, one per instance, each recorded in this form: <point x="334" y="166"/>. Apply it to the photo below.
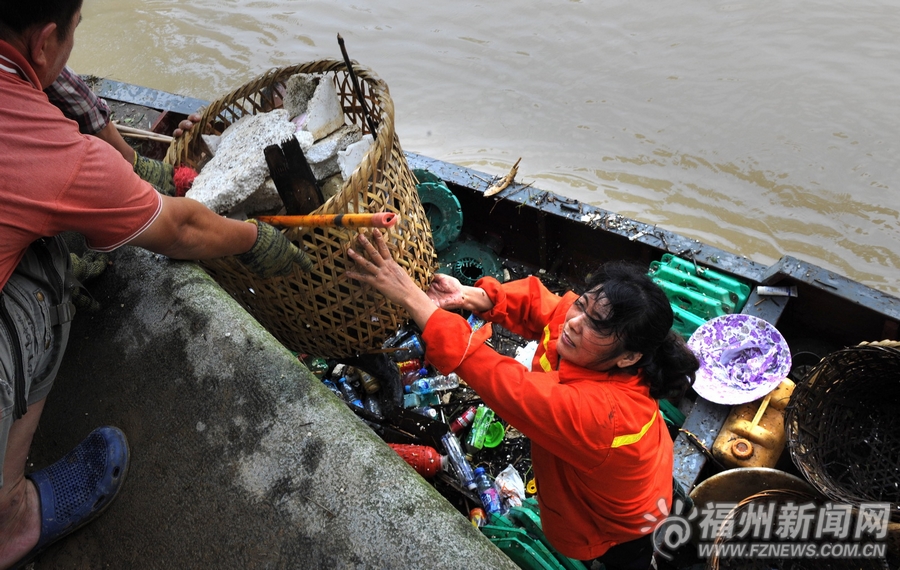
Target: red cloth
<point x="54" y="179"/>
<point x="592" y="495"/>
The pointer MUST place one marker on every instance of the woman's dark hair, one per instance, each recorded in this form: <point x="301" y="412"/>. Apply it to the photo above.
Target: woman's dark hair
<point x="17" y="16"/>
<point x="640" y="318"/>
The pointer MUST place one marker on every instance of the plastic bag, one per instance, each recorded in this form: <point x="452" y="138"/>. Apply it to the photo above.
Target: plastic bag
<point x="510" y="487"/>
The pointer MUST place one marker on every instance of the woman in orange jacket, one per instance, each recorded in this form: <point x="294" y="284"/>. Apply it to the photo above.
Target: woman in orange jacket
<point x="601" y="453"/>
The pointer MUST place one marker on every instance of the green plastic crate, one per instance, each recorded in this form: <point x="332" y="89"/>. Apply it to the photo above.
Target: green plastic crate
<point x="742" y="290"/>
<point x="692" y="301"/>
<point x="684" y="322"/>
<point x="706" y="288"/>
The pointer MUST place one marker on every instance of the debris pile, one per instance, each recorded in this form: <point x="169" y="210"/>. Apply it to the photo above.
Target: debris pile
<point x="236" y="181"/>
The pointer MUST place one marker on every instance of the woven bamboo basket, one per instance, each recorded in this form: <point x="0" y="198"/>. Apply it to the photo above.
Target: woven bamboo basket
<point x="322" y="312"/>
<point x="843" y="426"/>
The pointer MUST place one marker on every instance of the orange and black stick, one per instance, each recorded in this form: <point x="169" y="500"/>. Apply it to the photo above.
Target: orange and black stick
<point x="378" y="220"/>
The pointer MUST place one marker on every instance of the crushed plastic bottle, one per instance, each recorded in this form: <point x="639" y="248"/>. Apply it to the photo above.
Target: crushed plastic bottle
<point x="372" y="405"/>
<point x="333" y="387"/>
<point x="435" y="383"/>
<point x="349" y="392"/>
<point x="486" y="492"/>
<point x="407" y="378"/>
<point x="458" y="460"/>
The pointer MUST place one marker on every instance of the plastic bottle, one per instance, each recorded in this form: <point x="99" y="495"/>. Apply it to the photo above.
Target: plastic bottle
<point x="463" y="420"/>
<point x="486" y="492"/>
<point x="424" y="459"/>
<point x="411" y="376"/>
<point x="434" y="383"/>
<point x="426" y="411"/>
<point x="369" y="383"/>
<point x="333" y="387"/>
<point x="409" y="365"/>
<point x="349" y="392"/>
<point x="372" y="405"/>
<point x="478" y="517"/>
<point x="458" y="460"/>
<point x="483" y="418"/>
<point x="408" y="348"/>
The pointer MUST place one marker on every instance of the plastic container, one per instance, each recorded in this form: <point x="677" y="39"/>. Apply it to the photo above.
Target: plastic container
<point x="369" y="383"/>
<point x="463" y="420"/>
<point x="486" y="492"/>
<point x="410" y="376"/>
<point x="423" y="458"/>
<point x="692" y="301"/>
<point x="478" y="517"/>
<point x="458" y="460"/>
<point x="349" y="392"/>
<point x="333" y="387"/>
<point x="372" y="405"/>
<point x="494" y="435"/>
<point x="409" y="348"/>
<point x="698" y="284"/>
<point x="483" y="418"/>
<point x="435" y="383"/>
<point x="753" y="434"/>
<point x="741" y="290"/>
<point x="409" y="365"/>
<point x="684" y="322"/>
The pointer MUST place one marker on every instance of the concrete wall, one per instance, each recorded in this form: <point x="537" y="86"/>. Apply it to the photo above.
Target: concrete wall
<point x="240" y="457"/>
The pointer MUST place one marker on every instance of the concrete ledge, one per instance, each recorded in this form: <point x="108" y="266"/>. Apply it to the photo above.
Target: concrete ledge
<point x="240" y="457"/>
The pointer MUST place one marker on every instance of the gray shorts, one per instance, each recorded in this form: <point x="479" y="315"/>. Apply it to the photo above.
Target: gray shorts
<point x="35" y="317"/>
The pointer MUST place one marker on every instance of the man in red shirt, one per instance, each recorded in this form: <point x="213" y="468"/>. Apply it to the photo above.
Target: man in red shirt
<point x="54" y="179"/>
<point x="601" y="453"/>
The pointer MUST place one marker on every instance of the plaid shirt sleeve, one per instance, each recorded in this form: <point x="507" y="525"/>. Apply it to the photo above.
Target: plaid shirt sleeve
<point x="77" y="102"/>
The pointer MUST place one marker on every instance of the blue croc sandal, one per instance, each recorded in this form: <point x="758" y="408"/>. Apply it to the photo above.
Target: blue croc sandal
<point x="77" y="488"/>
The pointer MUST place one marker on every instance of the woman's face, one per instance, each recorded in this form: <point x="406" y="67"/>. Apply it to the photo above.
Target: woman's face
<point x="583" y="346"/>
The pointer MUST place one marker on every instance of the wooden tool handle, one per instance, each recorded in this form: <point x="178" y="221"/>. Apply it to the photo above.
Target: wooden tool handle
<point x="377" y="220"/>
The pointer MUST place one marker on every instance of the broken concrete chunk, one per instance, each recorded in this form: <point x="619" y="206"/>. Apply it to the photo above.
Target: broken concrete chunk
<point x="349" y="158"/>
<point x="211" y="142"/>
<point x="239" y="167"/>
<point x="323" y="155"/>
<point x="298" y="90"/>
<point x="305" y="139"/>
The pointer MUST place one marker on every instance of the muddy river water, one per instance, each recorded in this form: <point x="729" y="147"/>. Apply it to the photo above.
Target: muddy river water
<point x="763" y="128"/>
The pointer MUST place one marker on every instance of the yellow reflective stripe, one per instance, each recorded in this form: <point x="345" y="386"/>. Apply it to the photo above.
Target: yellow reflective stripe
<point x="635" y="437"/>
<point x="544" y="361"/>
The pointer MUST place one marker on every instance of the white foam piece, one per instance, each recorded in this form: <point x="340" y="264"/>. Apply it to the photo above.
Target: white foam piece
<point x="349" y="158"/>
<point x="324" y="114"/>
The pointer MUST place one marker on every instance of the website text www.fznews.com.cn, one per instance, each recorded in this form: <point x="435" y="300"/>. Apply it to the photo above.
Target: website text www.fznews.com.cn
<point x="789" y="550"/>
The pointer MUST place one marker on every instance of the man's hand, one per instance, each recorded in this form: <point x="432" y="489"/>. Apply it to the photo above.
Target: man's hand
<point x="186" y="125"/>
<point x="157" y="173"/>
<point x="85" y="268"/>
<point x="273" y="254"/>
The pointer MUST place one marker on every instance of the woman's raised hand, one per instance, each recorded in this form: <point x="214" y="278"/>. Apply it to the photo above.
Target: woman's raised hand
<point x="378" y="269"/>
<point x="446" y="292"/>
